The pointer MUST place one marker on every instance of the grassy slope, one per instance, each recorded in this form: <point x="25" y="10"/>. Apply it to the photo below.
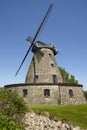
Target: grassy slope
<point x="74" y="114"/>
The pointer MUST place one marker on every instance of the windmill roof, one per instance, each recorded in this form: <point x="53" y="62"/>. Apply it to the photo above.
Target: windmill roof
<point x="49" y="46"/>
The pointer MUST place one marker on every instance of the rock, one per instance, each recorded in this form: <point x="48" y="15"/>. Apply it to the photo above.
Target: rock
<point x="33" y="121"/>
<point x="46" y="114"/>
<point x="76" y="128"/>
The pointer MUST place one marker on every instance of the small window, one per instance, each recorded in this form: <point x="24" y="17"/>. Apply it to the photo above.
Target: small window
<point x="50" y="55"/>
<point x="70" y="92"/>
<point x="54" y="78"/>
<point x="36" y="77"/>
<point x="52" y="64"/>
<point x="24" y="92"/>
<point x="46" y="92"/>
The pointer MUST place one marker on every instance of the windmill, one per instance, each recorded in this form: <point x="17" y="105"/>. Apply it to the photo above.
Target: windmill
<point x="43" y="82"/>
<point x="39" y="68"/>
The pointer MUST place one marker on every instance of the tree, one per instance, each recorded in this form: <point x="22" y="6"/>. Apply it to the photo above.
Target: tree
<point x="72" y="80"/>
<point x="67" y="78"/>
<point x="85" y="94"/>
<point x="13" y="110"/>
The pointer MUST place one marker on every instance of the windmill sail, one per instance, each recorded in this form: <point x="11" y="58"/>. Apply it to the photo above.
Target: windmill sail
<point x="35" y="36"/>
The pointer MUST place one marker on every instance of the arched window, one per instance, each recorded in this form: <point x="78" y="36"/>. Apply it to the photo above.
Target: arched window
<point x="47" y="92"/>
<point x="70" y="92"/>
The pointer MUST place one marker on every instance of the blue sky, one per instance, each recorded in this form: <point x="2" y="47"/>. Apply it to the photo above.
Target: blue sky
<point x="66" y="27"/>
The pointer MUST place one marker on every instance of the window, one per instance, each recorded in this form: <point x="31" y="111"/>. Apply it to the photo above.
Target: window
<point x="24" y="92"/>
<point x="52" y="64"/>
<point x="54" y="78"/>
<point x="46" y="92"/>
<point x="50" y="55"/>
<point x="70" y="92"/>
<point x="36" y="77"/>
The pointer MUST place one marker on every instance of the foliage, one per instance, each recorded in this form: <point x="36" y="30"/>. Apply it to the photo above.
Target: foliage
<point x="76" y="114"/>
<point x="13" y="110"/>
<point x="85" y="94"/>
<point x="67" y="78"/>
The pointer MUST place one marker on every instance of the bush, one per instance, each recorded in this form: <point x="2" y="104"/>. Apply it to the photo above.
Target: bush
<point x="13" y="110"/>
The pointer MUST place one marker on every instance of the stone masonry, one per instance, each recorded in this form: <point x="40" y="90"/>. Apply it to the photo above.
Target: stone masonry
<point x="43" y="68"/>
<point x="57" y="94"/>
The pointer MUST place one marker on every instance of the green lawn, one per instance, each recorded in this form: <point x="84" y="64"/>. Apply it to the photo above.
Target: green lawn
<point x="75" y="114"/>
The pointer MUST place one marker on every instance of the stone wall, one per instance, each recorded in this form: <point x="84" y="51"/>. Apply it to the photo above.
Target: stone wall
<point x="76" y="97"/>
<point x="49" y="94"/>
<point x="35" y="94"/>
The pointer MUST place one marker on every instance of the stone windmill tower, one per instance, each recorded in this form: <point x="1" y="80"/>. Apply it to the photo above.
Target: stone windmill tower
<point x="43" y="67"/>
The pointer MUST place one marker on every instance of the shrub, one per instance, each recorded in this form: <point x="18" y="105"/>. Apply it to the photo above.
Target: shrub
<point x="13" y="110"/>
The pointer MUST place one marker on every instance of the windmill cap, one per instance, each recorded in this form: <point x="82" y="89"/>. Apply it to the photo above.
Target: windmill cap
<point x="50" y="46"/>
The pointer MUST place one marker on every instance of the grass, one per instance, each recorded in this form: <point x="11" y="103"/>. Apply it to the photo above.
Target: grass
<point x="76" y="115"/>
